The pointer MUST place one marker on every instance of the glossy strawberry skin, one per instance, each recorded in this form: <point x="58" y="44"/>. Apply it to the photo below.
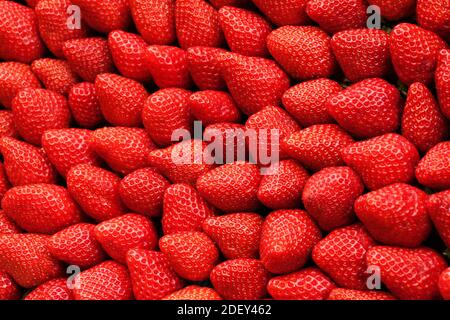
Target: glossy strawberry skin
<point x="204" y="67"/>
<point x="7" y="226"/>
<point x="194" y="292"/>
<point x="438" y="208"/>
<point x="394" y="9"/>
<point x="53" y="290"/>
<point x="433" y="15"/>
<point x="84" y="105"/>
<point x="433" y="170"/>
<point x="7" y="126"/>
<point x="55" y="74"/>
<point x="287" y="239"/>
<point x="444" y="284"/>
<point x="442" y="76"/>
<point x="8" y="288"/>
<point x="284" y="12"/>
<point x="351" y="294"/>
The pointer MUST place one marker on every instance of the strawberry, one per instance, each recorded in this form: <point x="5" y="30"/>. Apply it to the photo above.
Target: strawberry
<point x="254" y="83"/>
<point x="7" y="126"/>
<point x="66" y="148"/>
<point x="422" y="122"/>
<point x="184" y="209"/>
<point x="394" y="9"/>
<point x="232" y="187"/>
<point x="433" y="170"/>
<point x="204" y="67"/>
<point x="151" y="275"/>
<point x="284" y="12"/>
<point x="410" y="274"/>
<point x="108" y="280"/>
<point x="168" y="66"/>
<point x="88" y="57"/>
<point x="245" y="31"/>
<point x="444" y="284"/>
<point x="38" y="110"/>
<point x="342" y="255"/>
<point x="76" y="245"/>
<point x="14" y="77"/>
<point x="282" y="189"/>
<point x="362" y="53"/>
<point x="130" y="231"/>
<point x="96" y="190"/>
<point x="306" y="101"/>
<point x="7" y="226"/>
<point x="234" y="139"/>
<point x="8" y="288"/>
<point x="212" y="107"/>
<point x="52" y="18"/>
<point x="106" y="15"/>
<point x="442" y="76"/>
<point x="307" y="284"/>
<point x="329" y="195"/>
<point x="121" y="99"/>
<point x="414" y="53"/>
<point x="32" y="3"/>
<point x="351" y="294"/>
<point x="382" y="160"/>
<point x="155" y="20"/>
<point x="55" y="74"/>
<point x="84" y="105"/>
<point x="164" y="112"/>
<point x="287" y="239"/>
<point x="367" y="109"/>
<point x="197" y="24"/>
<point x="128" y="53"/>
<point x="5" y="185"/>
<point x="318" y="146"/>
<point x="53" y="290"/>
<point x="433" y="15"/>
<point x="240" y="279"/>
<point x="26" y="259"/>
<point x="25" y="164"/>
<point x="438" y="208"/>
<point x="193" y="292"/>
<point x="143" y="190"/>
<point x="19" y="36"/>
<point x="237" y="234"/>
<point x="395" y="215"/>
<point x="337" y="15"/>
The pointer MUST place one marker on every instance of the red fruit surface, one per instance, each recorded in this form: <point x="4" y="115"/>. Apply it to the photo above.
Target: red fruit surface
<point x="394" y="9"/>
<point x="55" y="74"/>
<point x="442" y="80"/>
<point x="433" y="15"/>
<point x="194" y="292"/>
<point x="8" y="288"/>
<point x="5" y="185"/>
<point x="433" y="170"/>
<point x="284" y="12"/>
<point x="7" y="226"/>
<point x="438" y="208"/>
<point x="204" y="67"/>
<point x="351" y="294"/>
<point x="444" y="284"/>
<point x="7" y="126"/>
<point x="84" y="105"/>
<point x="53" y="290"/>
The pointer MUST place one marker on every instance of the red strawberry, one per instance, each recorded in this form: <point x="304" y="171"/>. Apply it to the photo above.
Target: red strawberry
<point x="362" y="53"/>
<point x="53" y="290"/>
<point x="19" y="36"/>
<point x="351" y="294"/>
<point x="108" y="280"/>
<point x="5" y="185"/>
<point x="184" y="209"/>
<point x="394" y="9"/>
<point x="151" y="275"/>
<point x="26" y="259"/>
<point x="105" y="15"/>
<point x="233" y="137"/>
<point x="306" y="101"/>
<point x="96" y="190"/>
<point x="444" y="284"/>
<point x="31" y="3"/>
<point x="55" y="74"/>
<point x="337" y="15"/>
<point x="212" y="107"/>
<point x="143" y="190"/>
<point x="130" y="231"/>
<point x="329" y="195"/>
<point x="128" y="53"/>
<point x="231" y="187"/>
<point x="307" y="284"/>
<point x="282" y="188"/>
<point x="342" y="255"/>
<point x="237" y="234"/>
<point x="433" y="15"/>
<point x="433" y="170"/>
<point x="245" y="31"/>
<point x="8" y="288"/>
<point x="121" y="99"/>
<point x="240" y="279"/>
<point x="155" y="20"/>
<point x="304" y="52"/>
<point x="194" y="292"/>
<point x="7" y="226"/>
<point x="76" y="245"/>
<point x="410" y="274"/>
<point x="204" y="67"/>
<point x="197" y="24"/>
<point x="284" y="12"/>
<point x="84" y="105"/>
<point x="395" y="215"/>
<point x="7" y="126"/>
<point x="438" y="208"/>
<point x="442" y="79"/>
<point x="368" y="108"/>
<point x="382" y="160"/>
<point x="25" y="164"/>
<point x="414" y="53"/>
<point x="38" y="110"/>
<point x="422" y="122"/>
<point x="168" y="66"/>
<point x="88" y="57"/>
<point x="52" y="19"/>
<point x="253" y="82"/>
<point x="66" y="148"/>
<point x="287" y="239"/>
<point x="14" y="77"/>
<point x="164" y="112"/>
<point x="318" y="146"/>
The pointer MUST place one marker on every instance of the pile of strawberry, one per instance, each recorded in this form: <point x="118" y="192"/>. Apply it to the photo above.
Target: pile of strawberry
<point x="94" y="207"/>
